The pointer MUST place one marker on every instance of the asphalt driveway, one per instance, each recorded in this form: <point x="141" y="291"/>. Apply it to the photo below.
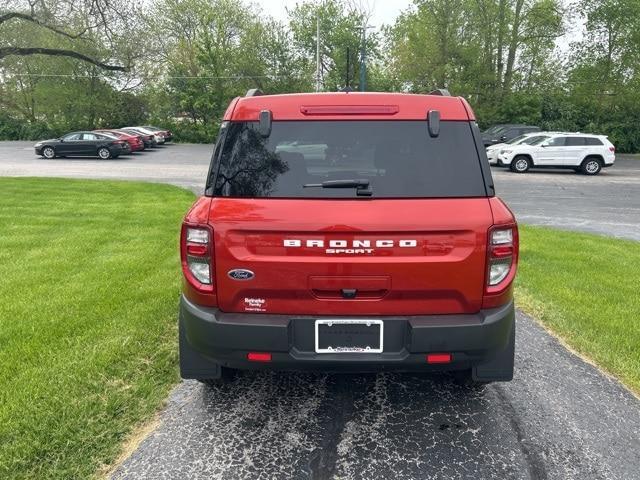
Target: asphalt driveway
<point x="560" y="418"/>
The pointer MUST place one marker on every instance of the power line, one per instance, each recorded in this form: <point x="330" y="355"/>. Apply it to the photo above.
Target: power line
<point x="159" y="77"/>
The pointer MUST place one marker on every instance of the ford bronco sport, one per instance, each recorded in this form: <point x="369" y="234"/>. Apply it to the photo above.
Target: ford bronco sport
<point x="348" y="232"/>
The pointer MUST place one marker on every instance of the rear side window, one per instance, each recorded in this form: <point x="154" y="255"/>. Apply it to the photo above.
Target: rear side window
<point x="592" y="141"/>
<point x="575" y="142"/>
<point x="399" y="159"/>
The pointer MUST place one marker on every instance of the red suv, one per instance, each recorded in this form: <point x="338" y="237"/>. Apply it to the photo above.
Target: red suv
<point x="348" y="232"/>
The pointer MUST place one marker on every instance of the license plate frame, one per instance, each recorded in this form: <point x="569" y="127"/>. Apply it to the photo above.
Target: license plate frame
<point x="346" y="348"/>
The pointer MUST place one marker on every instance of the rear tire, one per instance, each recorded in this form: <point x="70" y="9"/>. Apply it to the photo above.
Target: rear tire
<point x="104" y="153"/>
<point x="227" y="375"/>
<point x="464" y="378"/>
<point x="520" y="164"/>
<point x="48" y="153"/>
<point x="591" y="166"/>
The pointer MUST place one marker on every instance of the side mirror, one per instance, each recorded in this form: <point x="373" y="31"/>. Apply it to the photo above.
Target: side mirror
<point x="433" y="118"/>
<point x="264" y="126"/>
<point x="544" y="145"/>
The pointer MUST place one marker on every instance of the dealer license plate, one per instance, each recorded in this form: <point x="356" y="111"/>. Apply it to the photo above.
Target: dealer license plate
<point x="349" y="336"/>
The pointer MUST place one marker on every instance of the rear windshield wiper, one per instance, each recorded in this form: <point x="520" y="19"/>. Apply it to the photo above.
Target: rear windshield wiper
<point x="361" y="185"/>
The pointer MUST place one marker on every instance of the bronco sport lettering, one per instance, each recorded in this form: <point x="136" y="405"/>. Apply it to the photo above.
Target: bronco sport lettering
<point x="348" y="232"/>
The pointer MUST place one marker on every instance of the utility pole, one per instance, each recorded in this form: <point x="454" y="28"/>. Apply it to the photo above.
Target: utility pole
<point x="363" y="55"/>
<point x="318" y="64"/>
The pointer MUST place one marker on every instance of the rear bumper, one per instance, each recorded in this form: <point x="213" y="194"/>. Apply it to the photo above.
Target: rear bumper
<point x="226" y="338"/>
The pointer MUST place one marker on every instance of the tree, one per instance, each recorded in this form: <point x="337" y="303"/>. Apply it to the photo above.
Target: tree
<point x="340" y="32"/>
<point x="99" y="17"/>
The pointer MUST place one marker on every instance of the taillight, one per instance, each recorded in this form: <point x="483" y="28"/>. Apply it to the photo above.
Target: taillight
<point x="500" y="255"/>
<point x="612" y="149"/>
<point x="196" y="251"/>
<point x="502" y="259"/>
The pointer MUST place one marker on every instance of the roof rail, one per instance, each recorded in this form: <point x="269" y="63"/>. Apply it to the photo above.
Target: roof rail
<point x="254" y="92"/>
<point x="440" y="91"/>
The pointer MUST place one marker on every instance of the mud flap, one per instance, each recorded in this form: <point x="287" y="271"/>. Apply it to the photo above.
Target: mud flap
<point x="500" y="368"/>
<point x="192" y="364"/>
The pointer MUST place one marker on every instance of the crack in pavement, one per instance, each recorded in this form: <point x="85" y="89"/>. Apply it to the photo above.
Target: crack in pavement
<point x="560" y="418"/>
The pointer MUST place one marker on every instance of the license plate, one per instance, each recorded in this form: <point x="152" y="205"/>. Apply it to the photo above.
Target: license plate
<point x="349" y="336"/>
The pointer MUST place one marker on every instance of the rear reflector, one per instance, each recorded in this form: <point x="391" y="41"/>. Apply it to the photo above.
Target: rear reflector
<point x="258" y="357"/>
<point x="350" y="110"/>
<point x="439" y="358"/>
<point x="199" y="249"/>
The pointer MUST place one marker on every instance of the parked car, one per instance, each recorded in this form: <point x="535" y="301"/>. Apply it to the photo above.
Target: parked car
<point x="159" y="137"/>
<point x="82" y="144"/>
<point x="527" y="138"/>
<point x="579" y="151"/>
<point x="349" y="232"/>
<point x="149" y="139"/>
<point x="503" y="133"/>
<point x="134" y="141"/>
<point x="168" y="136"/>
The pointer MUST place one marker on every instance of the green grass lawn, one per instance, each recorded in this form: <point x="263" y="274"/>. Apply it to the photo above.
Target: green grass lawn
<point x="586" y="289"/>
<point x="90" y="282"/>
<point x="89" y="289"/>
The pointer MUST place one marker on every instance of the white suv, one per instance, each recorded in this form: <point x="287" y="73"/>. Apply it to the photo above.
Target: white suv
<point x="528" y="139"/>
<point x="582" y="152"/>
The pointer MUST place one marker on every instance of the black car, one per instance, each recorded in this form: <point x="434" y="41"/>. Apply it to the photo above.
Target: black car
<point x="83" y="144"/>
<point x="506" y="132"/>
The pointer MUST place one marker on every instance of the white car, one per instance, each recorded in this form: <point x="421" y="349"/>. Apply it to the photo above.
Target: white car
<point x="579" y="151"/>
<point x="528" y="139"/>
<point x="158" y="136"/>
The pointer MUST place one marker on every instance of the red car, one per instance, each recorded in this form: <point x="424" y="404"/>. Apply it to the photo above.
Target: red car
<point x="134" y="141"/>
<point x="348" y="232"/>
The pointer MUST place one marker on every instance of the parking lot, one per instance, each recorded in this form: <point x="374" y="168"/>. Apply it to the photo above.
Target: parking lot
<point x="559" y="418"/>
<point x="608" y="203"/>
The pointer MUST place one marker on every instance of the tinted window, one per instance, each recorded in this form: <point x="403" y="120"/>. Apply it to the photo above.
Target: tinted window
<point x="509" y="133"/>
<point x="515" y="141"/>
<point x="72" y="136"/>
<point x="494" y="129"/>
<point x="556" y="142"/>
<point x="592" y="141"/>
<point x="575" y="142"/>
<point x="398" y="158"/>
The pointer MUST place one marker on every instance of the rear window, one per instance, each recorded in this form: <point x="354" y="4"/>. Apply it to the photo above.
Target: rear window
<point x="398" y="159"/>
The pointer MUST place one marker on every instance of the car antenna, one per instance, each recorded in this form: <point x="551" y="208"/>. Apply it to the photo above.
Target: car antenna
<point x="347" y="88"/>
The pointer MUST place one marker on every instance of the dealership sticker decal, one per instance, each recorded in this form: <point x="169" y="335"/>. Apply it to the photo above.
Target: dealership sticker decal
<point x="254" y="304"/>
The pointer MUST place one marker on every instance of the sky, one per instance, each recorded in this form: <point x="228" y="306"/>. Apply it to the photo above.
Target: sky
<point x="384" y="11"/>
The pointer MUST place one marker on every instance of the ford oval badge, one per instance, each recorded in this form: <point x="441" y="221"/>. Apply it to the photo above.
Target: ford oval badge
<point x="241" y="274"/>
